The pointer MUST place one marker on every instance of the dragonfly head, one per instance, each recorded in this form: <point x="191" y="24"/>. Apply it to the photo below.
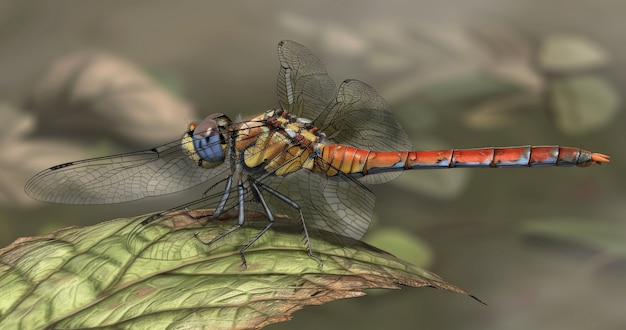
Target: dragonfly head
<point x="205" y="142"/>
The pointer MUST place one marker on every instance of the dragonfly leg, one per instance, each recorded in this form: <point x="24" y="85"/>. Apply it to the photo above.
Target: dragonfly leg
<point x="220" y="207"/>
<point x="240" y="221"/>
<point x="240" y="195"/>
<point x="151" y="218"/>
<point x="242" y="251"/>
<point x="297" y="207"/>
<point x="270" y="217"/>
<point x="185" y="207"/>
<point x="268" y="212"/>
<point x="218" y="237"/>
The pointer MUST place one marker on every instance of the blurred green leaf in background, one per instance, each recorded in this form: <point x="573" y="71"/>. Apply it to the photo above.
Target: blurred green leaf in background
<point x="605" y="238"/>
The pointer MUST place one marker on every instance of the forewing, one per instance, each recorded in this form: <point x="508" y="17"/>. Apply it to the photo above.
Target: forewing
<point x="120" y="178"/>
<point x="304" y="87"/>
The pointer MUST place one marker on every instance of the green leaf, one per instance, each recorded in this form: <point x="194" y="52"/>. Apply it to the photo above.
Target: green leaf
<point x="402" y="245"/>
<point x="469" y="88"/>
<point x="608" y="238"/>
<point x="583" y="103"/>
<point x="124" y="275"/>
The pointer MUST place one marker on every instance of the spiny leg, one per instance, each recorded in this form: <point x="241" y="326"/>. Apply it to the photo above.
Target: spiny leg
<point x="220" y="207"/>
<point x="185" y="207"/>
<point x="240" y="221"/>
<point x="293" y="204"/>
<point x="270" y="217"/>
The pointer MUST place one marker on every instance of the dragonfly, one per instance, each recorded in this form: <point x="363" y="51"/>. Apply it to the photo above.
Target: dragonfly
<point x="311" y="158"/>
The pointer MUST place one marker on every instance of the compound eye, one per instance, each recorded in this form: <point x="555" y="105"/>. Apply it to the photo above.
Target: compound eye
<point x="207" y="142"/>
<point x="205" y="128"/>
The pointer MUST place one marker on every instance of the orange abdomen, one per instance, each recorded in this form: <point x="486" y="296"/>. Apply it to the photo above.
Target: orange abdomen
<point x="351" y="160"/>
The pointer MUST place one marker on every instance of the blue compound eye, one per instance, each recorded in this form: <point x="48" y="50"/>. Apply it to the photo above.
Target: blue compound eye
<point x="207" y="140"/>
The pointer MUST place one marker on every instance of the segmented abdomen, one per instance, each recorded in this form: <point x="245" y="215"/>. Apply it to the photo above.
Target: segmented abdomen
<point x="353" y="160"/>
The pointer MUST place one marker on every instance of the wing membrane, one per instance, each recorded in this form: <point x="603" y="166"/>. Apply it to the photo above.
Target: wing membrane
<point x="304" y="87"/>
<point x="362" y="118"/>
<point x="120" y="178"/>
<point x="354" y="115"/>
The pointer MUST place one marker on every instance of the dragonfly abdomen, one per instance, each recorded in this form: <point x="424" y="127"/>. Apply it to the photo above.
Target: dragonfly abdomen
<point x="524" y="156"/>
<point x="352" y="160"/>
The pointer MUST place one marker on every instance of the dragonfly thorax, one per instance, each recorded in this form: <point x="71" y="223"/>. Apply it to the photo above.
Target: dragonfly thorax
<point x="276" y="142"/>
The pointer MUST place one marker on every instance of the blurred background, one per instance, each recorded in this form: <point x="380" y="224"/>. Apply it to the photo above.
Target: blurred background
<point x="545" y="248"/>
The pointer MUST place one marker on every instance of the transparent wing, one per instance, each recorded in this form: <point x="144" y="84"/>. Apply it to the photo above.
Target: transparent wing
<point x="340" y="205"/>
<point x="360" y="117"/>
<point x="304" y="87"/>
<point x="120" y="178"/>
<point x="355" y="115"/>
